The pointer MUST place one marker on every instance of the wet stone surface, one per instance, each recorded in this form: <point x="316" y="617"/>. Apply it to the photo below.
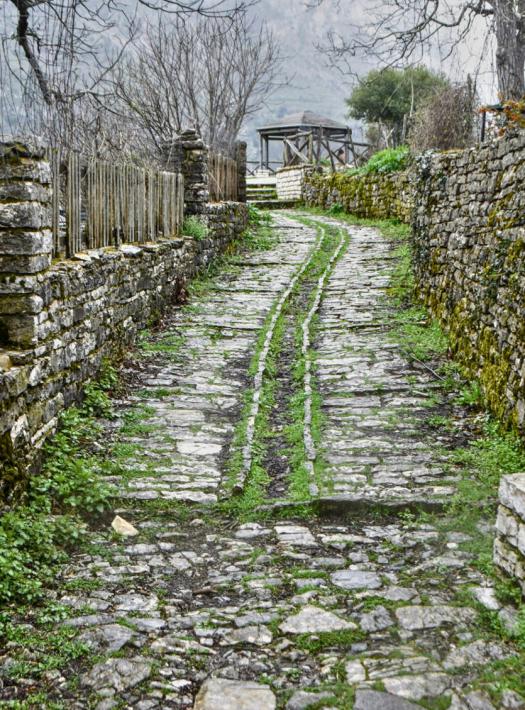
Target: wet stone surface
<point x="362" y="609"/>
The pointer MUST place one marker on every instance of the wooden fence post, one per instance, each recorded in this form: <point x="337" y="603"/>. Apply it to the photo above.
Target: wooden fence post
<point x="240" y="157"/>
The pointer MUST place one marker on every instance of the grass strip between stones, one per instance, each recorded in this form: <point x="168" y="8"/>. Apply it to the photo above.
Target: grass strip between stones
<point x="306" y="327"/>
<point x="247" y="475"/>
<point x="260" y="367"/>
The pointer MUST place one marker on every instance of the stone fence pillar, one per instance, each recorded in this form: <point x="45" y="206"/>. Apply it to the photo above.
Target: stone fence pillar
<point x="188" y="154"/>
<point x="26" y="242"/>
<point x="509" y="545"/>
<point x="240" y="157"/>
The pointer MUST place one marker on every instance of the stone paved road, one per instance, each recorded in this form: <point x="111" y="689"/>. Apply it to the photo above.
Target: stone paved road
<point x="360" y="608"/>
<point x="371" y="396"/>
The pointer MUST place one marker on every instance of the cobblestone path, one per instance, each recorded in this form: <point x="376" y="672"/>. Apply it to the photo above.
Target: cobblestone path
<point x="350" y="603"/>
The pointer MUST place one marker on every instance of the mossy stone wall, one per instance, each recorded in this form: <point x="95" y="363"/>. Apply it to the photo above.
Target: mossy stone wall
<point x="376" y="196"/>
<point x="469" y="255"/>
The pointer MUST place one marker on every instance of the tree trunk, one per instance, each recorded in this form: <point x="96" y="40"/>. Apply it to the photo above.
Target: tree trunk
<point x="510" y="53"/>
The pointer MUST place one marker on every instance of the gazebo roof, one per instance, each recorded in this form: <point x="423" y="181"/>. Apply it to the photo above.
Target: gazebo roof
<point x="304" y="119"/>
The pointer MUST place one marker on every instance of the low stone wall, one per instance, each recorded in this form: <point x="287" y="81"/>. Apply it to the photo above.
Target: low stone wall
<point x="509" y="545"/>
<point x="58" y="321"/>
<point x="469" y="255"/>
<point x="377" y="196"/>
<point x="291" y="182"/>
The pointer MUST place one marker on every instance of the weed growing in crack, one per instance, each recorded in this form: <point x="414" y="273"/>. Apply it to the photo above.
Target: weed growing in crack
<point x="194" y="227"/>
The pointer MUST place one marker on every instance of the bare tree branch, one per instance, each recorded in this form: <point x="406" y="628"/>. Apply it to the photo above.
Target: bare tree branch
<point x="400" y="31"/>
<point x="210" y="74"/>
<point x="59" y="52"/>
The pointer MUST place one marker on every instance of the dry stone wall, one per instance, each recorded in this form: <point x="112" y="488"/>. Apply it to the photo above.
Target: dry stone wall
<point x="469" y="254"/>
<point x="58" y="321"/>
<point x="509" y="545"/>
<point x="377" y="196"/>
<point x="291" y="182"/>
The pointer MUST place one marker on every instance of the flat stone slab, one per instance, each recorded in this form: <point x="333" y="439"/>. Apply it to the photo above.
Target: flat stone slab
<point x="223" y="694"/>
<point x="355" y="579"/>
<point x="301" y="700"/>
<point x="110" y="638"/>
<point x="257" y="635"/>
<point x="295" y="535"/>
<point x="417" y="687"/>
<point x="117" y="674"/>
<point x="375" y="700"/>
<point x="312" y="619"/>
<point x="415" y="618"/>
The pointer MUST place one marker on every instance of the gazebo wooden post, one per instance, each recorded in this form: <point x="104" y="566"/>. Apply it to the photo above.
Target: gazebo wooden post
<point x="311" y="147"/>
<point x="347" y="145"/>
<point x="261" y="153"/>
<point x="305" y="136"/>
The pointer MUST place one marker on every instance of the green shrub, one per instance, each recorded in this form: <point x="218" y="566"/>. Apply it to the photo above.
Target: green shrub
<point x="336" y="209"/>
<point x="194" y="227"/>
<point x="390" y="160"/>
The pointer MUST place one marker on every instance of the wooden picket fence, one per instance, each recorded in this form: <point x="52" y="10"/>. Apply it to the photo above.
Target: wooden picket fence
<point x="222" y="178"/>
<point x="99" y="204"/>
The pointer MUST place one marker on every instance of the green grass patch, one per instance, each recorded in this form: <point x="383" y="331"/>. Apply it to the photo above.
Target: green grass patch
<point x="318" y="643"/>
<point x="419" y="337"/>
<point x="38" y="650"/>
<point x="195" y="227"/>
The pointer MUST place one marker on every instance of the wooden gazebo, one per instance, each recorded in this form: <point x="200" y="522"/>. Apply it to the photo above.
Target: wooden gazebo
<point x="308" y="138"/>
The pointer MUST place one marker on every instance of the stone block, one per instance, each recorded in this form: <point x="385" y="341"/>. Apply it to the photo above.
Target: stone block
<point x="26" y="243"/>
<point x="23" y="264"/>
<point x="505" y="557"/>
<point x="512" y="493"/>
<point x="20" y="304"/>
<point x="22" y="330"/>
<point x="23" y="191"/>
<point x="521" y="538"/>
<point x="24" y="215"/>
<point x="507" y="525"/>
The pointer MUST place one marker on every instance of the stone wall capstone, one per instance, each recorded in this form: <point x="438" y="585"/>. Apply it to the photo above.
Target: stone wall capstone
<point x="60" y="320"/>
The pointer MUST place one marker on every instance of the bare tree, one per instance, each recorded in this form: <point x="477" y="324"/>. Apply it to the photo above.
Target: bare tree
<point x="446" y="120"/>
<point x="210" y="74"/>
<point x="401" y="30"/>
<point x="57" y="54"/>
